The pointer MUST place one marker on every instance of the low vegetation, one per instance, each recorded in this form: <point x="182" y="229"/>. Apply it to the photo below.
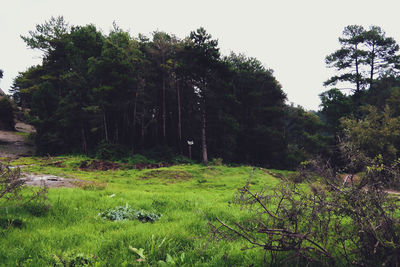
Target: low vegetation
<point x="82" y="226"/>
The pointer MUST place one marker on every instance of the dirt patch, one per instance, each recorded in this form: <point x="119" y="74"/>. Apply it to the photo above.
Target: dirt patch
<point x="100" y="165"/>
<point x="24" y="128"/>
<point x="48" y="180"/>
<point x="171" y="175"/>
<point x="16" y="144"/>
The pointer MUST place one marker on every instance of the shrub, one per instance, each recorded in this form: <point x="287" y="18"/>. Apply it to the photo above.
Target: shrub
<point x="11" y="185"/>
<point x="139" y="159"/>
<point x="331" y="223"/>
<point x="121" y="213"/>
<point x="180" y="159"/>
<point x="73" y="259"/>
<point x="112" y="152"/>
<point x="216" y="162"/>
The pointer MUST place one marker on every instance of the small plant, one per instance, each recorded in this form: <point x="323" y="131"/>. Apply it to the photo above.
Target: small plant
<point x="121" y="213"/>
<point x="10" y="223"/>
<point x="72" y="259"/>
<point x="216" y="162"/>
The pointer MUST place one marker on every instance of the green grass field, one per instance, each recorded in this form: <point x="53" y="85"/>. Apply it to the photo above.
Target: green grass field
<point x="72" y="233"/>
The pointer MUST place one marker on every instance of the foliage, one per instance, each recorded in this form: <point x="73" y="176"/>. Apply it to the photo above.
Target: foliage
<point x="93" y="89"/>
<point x="121" y="213"/>
<point x="216" y="162"/>
<point x="364" y="55"/>
<point x="108" y="151"/>
<point x="378" y="133"/>
<point x="304" y="135"/>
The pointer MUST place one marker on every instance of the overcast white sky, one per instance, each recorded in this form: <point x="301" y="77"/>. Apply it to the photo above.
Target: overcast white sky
<point x="291" y="37"/>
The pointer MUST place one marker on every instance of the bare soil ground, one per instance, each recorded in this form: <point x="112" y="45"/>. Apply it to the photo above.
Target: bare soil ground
<point x="48" y="180"/>
<point x="17" y="144"/>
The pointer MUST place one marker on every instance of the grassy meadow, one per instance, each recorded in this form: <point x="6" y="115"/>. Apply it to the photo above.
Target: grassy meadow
<point x="71" y="232"/>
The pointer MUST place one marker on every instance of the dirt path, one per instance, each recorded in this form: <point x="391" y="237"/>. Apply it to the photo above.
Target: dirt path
<point x="16" y="144"/>
<point x="48" y="180"/>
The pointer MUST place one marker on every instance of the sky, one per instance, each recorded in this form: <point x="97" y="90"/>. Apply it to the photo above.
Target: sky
<point x="290" y="37"/>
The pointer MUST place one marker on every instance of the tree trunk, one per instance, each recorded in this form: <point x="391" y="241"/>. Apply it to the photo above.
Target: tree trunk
<point x="179" y="116"/>
<point x="142" y="128"/>
<point x="164" y="110"/>
<point x="357" y="72"/>
<point x="84" y="143"/>
<point x="105" y="126"/>
<point x="372" y="66"/>
<point x="134" y="119"/>
<point x="203" y="137"/>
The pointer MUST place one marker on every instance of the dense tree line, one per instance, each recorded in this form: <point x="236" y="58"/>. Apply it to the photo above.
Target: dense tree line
<point x="154" y="94"/>
<point x="369" y="115"/>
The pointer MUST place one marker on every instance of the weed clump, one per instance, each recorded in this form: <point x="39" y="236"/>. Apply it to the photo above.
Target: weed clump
<point x="73" y="259"/>
<point x="121" y="213"/>
<point x="10" y="223"/>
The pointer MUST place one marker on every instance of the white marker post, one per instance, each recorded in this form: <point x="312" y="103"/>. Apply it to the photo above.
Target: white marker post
<point x="190" y="143"/>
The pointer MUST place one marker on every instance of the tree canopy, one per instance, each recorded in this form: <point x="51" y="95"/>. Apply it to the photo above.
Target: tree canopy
<point x="150" y="95"/>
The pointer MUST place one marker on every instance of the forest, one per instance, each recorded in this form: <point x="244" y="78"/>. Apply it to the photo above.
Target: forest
<point x="140" y="95"/>
<point x="173" y="127"/>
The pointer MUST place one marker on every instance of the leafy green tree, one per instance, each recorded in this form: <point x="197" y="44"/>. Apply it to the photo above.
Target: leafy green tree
<point x="162" y="49"/>
<point x="349" y="58"/>
<point x="47" y="35"/>
<point x="205" y="54"/>
<point x="151" y="96"/>
<point x="304" y="135"/>
<point x="382" y="57"/>
<point x="363" y="56"/>
<point x="335" y="105"/>
<point x="26" y="83"/>
<point x="259" y="110"/>
<point x="376" y="134"/>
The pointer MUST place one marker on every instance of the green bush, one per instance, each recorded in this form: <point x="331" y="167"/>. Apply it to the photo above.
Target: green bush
<point x="121" y="213"/>
<point x="107" y="151"/>
<point x="216" y="162"/>
<point x="138" y="158"/>
<point x="180" y="159"/>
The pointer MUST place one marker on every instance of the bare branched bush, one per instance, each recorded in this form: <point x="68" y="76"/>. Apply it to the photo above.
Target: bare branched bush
<point x="11" y="185"/>
<point x="327" y="222"/>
